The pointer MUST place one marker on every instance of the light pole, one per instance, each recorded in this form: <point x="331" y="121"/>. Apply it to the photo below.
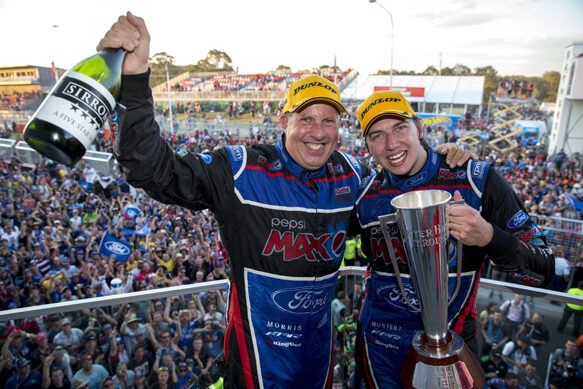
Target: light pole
<point x="392" y="35"/>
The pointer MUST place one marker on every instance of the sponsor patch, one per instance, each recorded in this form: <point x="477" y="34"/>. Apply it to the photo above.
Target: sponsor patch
<point x="236" y="152"/>
<point x="302" y="301"/>
<point x="478" y="169"/>
<point x="275" y="166"/>
<point x="207" y="158"/>
<point x="447" y="174"/>
<point x="525" y="279"/>
<point x="181" y="153"/>
<point x="418" y="179"/>
<point x="518" y="219"/>
<point x="343" y="194"/>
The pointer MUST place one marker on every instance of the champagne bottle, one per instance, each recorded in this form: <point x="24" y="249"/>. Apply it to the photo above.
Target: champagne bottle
<point x="68" y="120"/>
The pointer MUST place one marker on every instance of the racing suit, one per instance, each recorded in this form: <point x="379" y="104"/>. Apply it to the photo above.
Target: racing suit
<point x="386" y="324"/>
<point x="283" y="226"/>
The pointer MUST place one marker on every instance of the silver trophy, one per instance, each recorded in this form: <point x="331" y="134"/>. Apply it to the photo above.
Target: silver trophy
<point x="438" y="357"/>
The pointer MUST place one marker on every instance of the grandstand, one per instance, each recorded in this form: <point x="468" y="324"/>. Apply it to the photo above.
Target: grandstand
<point x="232" y="86"/>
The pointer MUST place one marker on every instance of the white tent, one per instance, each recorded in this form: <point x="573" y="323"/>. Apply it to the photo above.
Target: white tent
<point x="441" y="91"/>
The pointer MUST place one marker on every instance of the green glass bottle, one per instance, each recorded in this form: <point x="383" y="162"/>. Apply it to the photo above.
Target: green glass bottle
<point x="68" y="120"/>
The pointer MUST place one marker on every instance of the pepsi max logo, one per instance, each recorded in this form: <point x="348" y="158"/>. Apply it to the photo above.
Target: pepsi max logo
<point x="518" y="219"/>
<point x="275" y="166"/>
<point x="117" y="248"/>
<point x="449" y="175"/>
<point x="303" y="300"/>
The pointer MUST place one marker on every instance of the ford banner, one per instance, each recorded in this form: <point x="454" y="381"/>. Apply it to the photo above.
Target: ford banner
<point x="110" y="245"/>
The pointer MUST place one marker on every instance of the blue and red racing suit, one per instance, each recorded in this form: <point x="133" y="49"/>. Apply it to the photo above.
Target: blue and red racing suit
<point x="284" y="228"/>
<point x="386" y="324"/>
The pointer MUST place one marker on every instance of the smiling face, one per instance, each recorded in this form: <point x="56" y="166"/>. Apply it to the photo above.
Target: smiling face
<point x="395" y="144"/>
<point x="311" y="134"/>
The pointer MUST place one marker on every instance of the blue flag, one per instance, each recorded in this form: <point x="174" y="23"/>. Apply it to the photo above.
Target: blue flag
<point x="578" y="205"/>
<point x="131" y="212"/>
<point x="110" y="245"/>
<point x="143" y="230"/>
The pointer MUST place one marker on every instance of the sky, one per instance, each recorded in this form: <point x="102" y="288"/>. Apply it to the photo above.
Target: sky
<point x="526" y="37"/>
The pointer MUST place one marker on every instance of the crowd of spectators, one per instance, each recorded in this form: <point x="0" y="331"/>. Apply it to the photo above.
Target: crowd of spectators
<point x="17" y="101"/>
<point x="52" y="222"/>
<point x="232" y="82"/>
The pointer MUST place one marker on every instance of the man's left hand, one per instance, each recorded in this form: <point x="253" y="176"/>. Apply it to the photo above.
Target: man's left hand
<point x="467" y="225"/>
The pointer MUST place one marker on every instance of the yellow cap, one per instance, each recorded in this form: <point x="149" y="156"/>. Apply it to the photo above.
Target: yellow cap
<point x="383" y="103"/>
<point x="310" y="89"/>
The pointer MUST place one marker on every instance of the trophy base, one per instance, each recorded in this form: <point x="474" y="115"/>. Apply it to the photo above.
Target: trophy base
<point x="441" y="363"/>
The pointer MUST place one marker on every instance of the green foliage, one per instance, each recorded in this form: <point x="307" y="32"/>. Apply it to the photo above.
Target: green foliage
<point x="215" y="60"/>
<point x="553" y="78"/>
<point x="491" y="81"/>
<point x="430" y="71"/>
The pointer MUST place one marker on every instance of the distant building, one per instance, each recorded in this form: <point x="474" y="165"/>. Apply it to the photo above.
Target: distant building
<point x="426" y="93"/>
<point x="567" y="129"/>
<point x="17" y="81"/>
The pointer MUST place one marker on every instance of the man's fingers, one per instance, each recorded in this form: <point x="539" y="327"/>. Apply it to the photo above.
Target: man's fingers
<point x="122" y="33"/>
<point x="140" y="25"/>
<point x="457" y="196"/>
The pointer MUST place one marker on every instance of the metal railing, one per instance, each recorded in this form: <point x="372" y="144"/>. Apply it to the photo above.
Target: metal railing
<point x="124" y="298"/>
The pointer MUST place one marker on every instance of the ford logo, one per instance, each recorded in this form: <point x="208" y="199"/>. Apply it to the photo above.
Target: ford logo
<point x="416" y="180"/>
<point x="518" y="219"/>
<point x="117" y="248"/>
<point x="392" y="295"/>
<point x="302" y="300"/>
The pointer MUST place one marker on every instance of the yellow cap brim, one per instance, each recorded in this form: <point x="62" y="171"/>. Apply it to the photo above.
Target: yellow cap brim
<point x="383" y="114"/>
<point x="339" y="107"/>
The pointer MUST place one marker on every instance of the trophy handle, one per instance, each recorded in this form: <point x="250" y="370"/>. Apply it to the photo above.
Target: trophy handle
<point x="392" y="219"/>
<point x="459" y="261"/>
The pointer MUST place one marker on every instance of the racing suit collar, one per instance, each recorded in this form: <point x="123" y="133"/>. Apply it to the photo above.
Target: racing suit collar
<point x="292" y="166"/>
<point x="406" y="183"/>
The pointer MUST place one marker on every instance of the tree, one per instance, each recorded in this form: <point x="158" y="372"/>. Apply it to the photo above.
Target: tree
<point x="215" y="60"/>
<point x="396" y="72"/>
<point x="283" y="68"/>
<point x="160" y="59"/>
<point x="553" y="78"/>
<point x="157" y="69"/>
<point x="447" y="71"/>
<point x="491" y="81"/>
<point x="430" y="71"/>
<point x="461" y="70"/>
